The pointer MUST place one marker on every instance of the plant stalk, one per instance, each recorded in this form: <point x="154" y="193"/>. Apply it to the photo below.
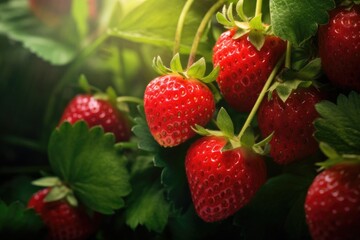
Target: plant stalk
<point x="201" y="30"/>
<point x="180" y="25"/>
<point x="258" y="9"/>
<point x="261" y="97"/>
<point x="288" y="55"/>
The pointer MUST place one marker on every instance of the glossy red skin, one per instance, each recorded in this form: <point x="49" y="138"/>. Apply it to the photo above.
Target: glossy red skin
<point x="339" y="48"/>
<point x="243" y="69"/>
<point x="173" y="105"/>
<point x="332" y="204"/>
<point x="222" y="182"/>
<point x="97" y="112"/>
<point x="292" y="124"/>
<point x="63" y="221"/>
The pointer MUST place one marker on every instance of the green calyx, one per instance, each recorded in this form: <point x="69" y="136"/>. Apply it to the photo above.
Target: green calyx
<point x="110" y="95"/>
<point x="226" y="130"/>
<point x="196" y="70"/>
<point x="334" y="158"/>
<point x="251" y="26"/>
<point x="58" y="190"/>
<point x="288" y="80"/>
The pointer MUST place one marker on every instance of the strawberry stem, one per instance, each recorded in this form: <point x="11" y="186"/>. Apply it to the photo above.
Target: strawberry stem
<point x="258" y="8"/>
<point x="288" y="55"/>
<point x="201" y="30"/>
<point x="180" y="25"/>
<point x="261" y="97"/>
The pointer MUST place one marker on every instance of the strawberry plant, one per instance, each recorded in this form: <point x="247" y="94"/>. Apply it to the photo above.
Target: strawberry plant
<point x="182" y="119"/>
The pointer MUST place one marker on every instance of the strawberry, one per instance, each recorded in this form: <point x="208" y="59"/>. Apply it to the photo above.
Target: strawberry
<point x="63" y="221"/>
<point x="221" y="182"/>
<point x="332" y="203"/>
<point x="339" y="47"/>
<point x="292" y="124"/>
<point x="173" y="105"/>
<point x="97" y="112"/>
<point x="244" y="69"/>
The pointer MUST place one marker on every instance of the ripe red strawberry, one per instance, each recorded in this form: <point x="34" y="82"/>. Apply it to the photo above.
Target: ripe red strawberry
<point x="292" y="124"/>
<point x="221" y="182"/>
<point x="63" y="221"/>
<point x="332" y="204"/>
<point x="97" y="112"/>
<point x="243" y="69"/>
<point x="173" y="105"/>
<point x="339" y="47"/>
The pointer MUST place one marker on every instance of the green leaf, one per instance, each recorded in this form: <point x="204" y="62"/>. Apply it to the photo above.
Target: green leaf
<point x="18" y="24"/>
<point x="197" y="70"/>
<point x="188" y="225"/>
<point x="301" y="55"/>
<point x="220" y="18"/>
<point x="86" y="160"/>
<point x="154" y="22"/>
<point x="248" y="138"/>
<point x="285" y="89"/>
<point x="18" y="222"/>
<point x="224" y="123"/>
<point x="279" y="202"/>
<point x="212" y="75"/>
<point x="240" y="10"/>
<point x="80" y="13"/>
<point x="201" y="130"/>
<point x="338" y="124"/>
<point x="173" y="176"/>
<point x="56" y="193"/>
<point x="84" y="84"/>
<point x="159" y="66"/>
<point x="257" y="39"/>
<point x="263" y="146"/>
<point x="297" y="21"/>
<point x="141" y="130"/>
<point x="328" y="151"/>
<point x="256" y="23"/>
<point x="175" y="64"/>
<point x="71" y="199"/>
<point x="146" y="205"/>
<point x="46" y="182"/>
<point x="150" y="210"/>
<point x="311" y="71"/>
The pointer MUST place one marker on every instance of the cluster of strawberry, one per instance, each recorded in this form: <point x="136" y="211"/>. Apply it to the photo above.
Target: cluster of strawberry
<point x="224" y="171"/>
